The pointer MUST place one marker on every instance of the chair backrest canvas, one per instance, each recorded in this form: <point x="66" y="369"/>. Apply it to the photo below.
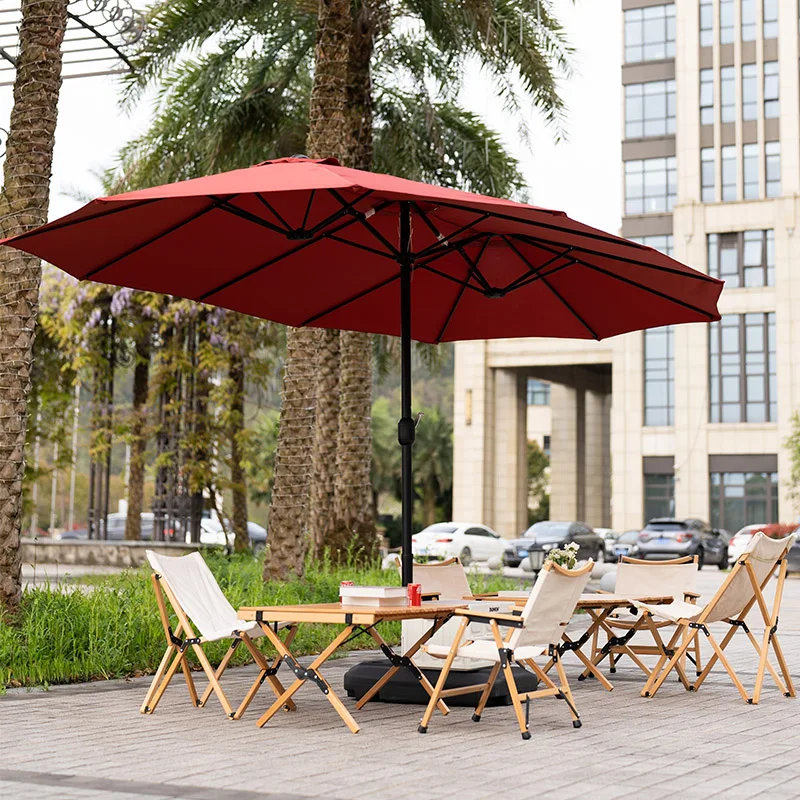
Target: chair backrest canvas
<point x="655" y="578"/>
<point x="551" y="604"/>
<point x="197" y="591"/>
<point x="447" y="577"/>
<point x="762" y="553"/>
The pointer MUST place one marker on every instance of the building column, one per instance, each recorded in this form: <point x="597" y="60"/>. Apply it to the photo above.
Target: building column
<point x="510" y="500"/>
<point x="567" y="447"/>
<point x="597" y="461"/>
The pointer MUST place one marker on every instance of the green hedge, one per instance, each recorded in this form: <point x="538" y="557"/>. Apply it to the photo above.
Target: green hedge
<point x="112" y="629"/>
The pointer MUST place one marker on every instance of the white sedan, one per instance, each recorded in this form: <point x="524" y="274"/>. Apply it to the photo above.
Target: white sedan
<point x="466" y="540"/>
<point x="739" y="542"/>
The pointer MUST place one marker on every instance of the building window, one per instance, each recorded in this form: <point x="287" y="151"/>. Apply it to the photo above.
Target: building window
<point x="770" y="19"/>
<point x="546" y="445"/>
<point x="661" y="243"/>
<point x="650" y="185"/>
<point x="706" y="23"/>
<point x="707" y="189"/>
<point x="772" y="153"/>
<point x="650" y="33"/>
<point x="706" y="96"/>
<point x="748" y="20"/>
<point x="728" y="173"/>
<point x="772" y="108"/>
<point x="750" y="171"/>
<point x="749" y="92"/>
<point x="743" y="498"/>
<point x="659" y="377"/>
<point x="650" y="109"/>
<point x="727" y="94"/>
<point x="659" y="496"/>
<point x="725" y="21"/>
<point x="742" y="368"/>
<point x="538" y="393"/>
<point x="746" y="258"/>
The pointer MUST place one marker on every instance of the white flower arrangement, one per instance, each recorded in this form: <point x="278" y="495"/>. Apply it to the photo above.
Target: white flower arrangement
<point x="566" y="557"/>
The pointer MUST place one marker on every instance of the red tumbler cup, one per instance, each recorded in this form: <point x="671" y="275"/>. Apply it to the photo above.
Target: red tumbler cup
<point x="414" y="594"/>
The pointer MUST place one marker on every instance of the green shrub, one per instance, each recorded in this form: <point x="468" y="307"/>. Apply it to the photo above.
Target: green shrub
<point x="112" y="629"/>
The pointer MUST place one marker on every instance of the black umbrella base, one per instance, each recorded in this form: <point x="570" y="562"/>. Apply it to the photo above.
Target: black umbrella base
<point x="403" y="687"/>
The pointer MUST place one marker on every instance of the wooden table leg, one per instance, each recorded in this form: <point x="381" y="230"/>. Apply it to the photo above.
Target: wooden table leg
<point x="576" y="645"/>
<point x="331" y="696"/>
<point x="426" y="684"/>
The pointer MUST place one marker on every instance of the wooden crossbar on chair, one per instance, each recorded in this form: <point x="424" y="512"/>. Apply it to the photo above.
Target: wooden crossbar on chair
<point x="183" y="639"/>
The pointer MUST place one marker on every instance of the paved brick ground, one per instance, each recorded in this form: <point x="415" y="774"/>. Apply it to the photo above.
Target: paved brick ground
<point x="89" y="742"/>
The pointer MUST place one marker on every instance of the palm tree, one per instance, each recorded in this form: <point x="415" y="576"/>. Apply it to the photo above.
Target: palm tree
<point x="23" y="205"/>
<point x="433" y="462"/>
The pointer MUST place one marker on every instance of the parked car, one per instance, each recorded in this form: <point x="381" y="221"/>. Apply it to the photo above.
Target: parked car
<point x="542" y="537"/>
<point x="664" y="538"/>
<point x="626" y="545"/>
<point x="465" y="540"/>
<point x="740" y="540"/>
<point x="118" y="520"/>
<point x="211" y="532"/>
<point x="793" y="559"/>
<point x="609" y="538"/>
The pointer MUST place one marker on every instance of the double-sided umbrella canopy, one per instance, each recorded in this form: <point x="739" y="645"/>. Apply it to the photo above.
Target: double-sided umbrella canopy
<point x="307" y="242"/>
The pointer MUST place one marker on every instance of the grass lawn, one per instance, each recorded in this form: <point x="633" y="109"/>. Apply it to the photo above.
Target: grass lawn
<point x="112" y="630"/>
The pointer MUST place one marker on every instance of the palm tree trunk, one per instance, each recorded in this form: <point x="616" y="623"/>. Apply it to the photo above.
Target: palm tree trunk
<point x="23" y="205"/>
<point x="288" y="518"/>
<point x="241" y="541"/>
<point x="353" y="503"/>
<point x="138" y="441"/>
<point x="326" y="437"/>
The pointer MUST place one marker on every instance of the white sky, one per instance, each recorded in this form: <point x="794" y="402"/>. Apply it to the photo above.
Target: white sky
<point x="580" y="176"/>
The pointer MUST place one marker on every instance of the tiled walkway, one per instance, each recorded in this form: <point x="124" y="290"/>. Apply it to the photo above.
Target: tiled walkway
<point x="89" y="742"/>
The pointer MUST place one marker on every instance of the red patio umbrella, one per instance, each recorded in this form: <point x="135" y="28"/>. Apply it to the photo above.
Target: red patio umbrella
<point x="307" y="242"/>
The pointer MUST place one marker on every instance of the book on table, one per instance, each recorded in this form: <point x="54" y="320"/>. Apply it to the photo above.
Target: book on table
<point x="374" y="596"/>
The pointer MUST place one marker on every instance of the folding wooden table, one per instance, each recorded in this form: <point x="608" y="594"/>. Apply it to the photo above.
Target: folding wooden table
<point x="598" y="606"/>
<point x="357" y="620"/>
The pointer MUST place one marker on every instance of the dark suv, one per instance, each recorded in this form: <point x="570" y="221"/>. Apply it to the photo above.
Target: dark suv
<point x="672" y="538"/>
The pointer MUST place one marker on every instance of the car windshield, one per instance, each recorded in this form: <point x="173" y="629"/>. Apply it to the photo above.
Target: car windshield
<point x="547" y="531"/>
<point x="665" y="526"/>
<point x="628" y="537"/>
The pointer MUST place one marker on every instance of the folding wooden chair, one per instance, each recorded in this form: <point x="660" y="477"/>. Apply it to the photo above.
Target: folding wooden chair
<point x="194" y="594"/>
<point x="742" y="589"/>
<point x="536" y="631"/>
<point x="676" y="577"/>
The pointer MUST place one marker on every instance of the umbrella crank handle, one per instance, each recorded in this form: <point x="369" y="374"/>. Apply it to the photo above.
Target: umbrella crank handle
<point x="418" y="418"/>
<point x="406" y="429"/>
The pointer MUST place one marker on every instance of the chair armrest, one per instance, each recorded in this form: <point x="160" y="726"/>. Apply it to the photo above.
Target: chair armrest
<point x="504" y="620"/>
<point x="431" y="595"/>
<point x="690" y="597"/>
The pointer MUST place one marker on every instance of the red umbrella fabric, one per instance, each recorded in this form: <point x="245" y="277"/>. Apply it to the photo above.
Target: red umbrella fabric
<point x="308" y="242"/>
<point x="311" y="243"/>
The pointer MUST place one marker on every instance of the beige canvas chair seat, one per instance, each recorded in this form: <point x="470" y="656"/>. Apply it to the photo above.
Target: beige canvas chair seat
<point x="674" y="578"/>
<point x="533" y="632"/>
<point x="198" y="602"/>
<point x="741" y="590"/>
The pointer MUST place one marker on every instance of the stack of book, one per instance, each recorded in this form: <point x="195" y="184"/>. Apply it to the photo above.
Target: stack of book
<point x="374" y="596"/>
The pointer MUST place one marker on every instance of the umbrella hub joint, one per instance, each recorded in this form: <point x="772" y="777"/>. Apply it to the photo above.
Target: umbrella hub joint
<point x="406" y="431"/>
<point x="495" y="293"/>
<point x="299" y="235"/>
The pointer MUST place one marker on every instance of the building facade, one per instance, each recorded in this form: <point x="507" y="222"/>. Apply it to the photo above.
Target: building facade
<point x="688" y="420"/>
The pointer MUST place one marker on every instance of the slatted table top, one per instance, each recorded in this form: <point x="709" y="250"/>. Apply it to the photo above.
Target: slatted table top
<point x="336" y="613"/>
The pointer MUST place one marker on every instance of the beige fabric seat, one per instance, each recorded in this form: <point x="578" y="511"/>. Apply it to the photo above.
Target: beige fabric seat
<point x="197" y="601"/>
<point x="535" y="631"/>
<point x="676" y="578"/>
<point x="742" y="589"/>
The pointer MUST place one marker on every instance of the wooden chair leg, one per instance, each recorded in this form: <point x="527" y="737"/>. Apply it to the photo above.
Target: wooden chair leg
<point x="179" y="656"/>
<point x="567" y="692"/>
<point x="484" y="698"/>
<point x="212" y="679"/>
<point x="187" y="676"/>
<point x="659" y="674"/>
<point x="729" y="669"/>
<point x="220" y="669"/>
<point x="508" y="673"/>
<point x="713" y="658"/>
<point x="157" y="678"/>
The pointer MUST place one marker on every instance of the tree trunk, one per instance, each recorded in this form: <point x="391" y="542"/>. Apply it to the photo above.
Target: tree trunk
<point x="288" y="518"/>
<point x="327" y="427"/>
<point x="138" y="440"/>
<point x="23" y="205"/>
<point x="241" y="541"/>
<point x="353" y="504"/>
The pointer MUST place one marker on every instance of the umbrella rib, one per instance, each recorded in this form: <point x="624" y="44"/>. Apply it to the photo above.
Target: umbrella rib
<point x="570" y="308"/>
<point x="373" y="250"/>
<point x="249" y="273"/>
<point x="247" y="215"/>
<point x="343" y="303"/>
<point x="58" y="225"/>
<point x="141" y="246"/>
<point x="460" y="294"/>
<point x="531" y="269"/>
<point x="444" y="275"/>
<point x="308" y="208"/>
<point x="538" y="276"/>
<point x="635" y="262"/>
<point x="346" y="208"/>
<point x="445" y="241"/>
<point x="269" y="207"/>
<point x="364" y="220"/>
